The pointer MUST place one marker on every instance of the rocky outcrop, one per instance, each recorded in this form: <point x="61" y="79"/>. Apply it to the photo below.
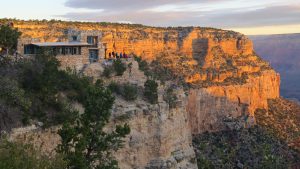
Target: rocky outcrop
<point x="146" y="42"/>
<point x="227" y="79"/>
<point x="207" y="107"/>
<point x="160" y="137"/>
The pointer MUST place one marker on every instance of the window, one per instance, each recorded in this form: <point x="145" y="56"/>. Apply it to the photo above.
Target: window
<point x="75" y="51"/>
<point x="28" y="49"/>
<point x="74" y="38"/>
<point x="92" y="40"/>
<point x="63" y="51"/>
<point x="68" y="51"/>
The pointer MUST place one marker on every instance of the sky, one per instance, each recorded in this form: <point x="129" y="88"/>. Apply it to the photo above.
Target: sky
<point x="250" y="17"/>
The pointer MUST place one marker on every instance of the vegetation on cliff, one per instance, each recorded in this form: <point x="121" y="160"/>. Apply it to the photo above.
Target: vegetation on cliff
<point x="16" y="155"/>
<point x="150" y="92"/>
<point x="8" y="38"/>
<point x="243" y="148"/>
<point x="272" y="143"/>
<point x="36" y="90"/>
<point x="282" y="119"/>
<point x="85" y="144"/>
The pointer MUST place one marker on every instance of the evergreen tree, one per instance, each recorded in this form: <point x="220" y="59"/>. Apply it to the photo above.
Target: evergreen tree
<point x="151" y="91"/>
<point x="8" y="38"/>
<point x="84" y="143"/>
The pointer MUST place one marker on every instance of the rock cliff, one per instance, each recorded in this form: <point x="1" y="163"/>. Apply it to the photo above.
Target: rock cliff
<point x="225" y="76"/>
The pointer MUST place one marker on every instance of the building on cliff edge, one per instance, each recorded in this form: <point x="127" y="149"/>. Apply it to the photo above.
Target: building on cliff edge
<point x="79" y="48"/>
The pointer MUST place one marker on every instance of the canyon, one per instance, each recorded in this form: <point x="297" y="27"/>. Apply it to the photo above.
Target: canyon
<point x="282" y="51"/>
<point x="226" y="78"/>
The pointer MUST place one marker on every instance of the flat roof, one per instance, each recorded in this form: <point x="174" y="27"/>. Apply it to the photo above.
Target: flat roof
<point x="51" y="44"/>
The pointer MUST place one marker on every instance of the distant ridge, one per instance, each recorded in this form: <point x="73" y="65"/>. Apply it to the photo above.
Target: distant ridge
<point x="283" y="52"/>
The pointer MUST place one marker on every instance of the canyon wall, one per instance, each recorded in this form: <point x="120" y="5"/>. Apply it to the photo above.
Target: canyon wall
<point x="160" y="137"/>
<point x="207" y="107"/>
<point x="227" y="79"/>
<point x="146" y="42"/>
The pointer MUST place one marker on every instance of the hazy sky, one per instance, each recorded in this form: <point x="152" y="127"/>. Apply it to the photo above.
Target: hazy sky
<point x="246" y="16"/>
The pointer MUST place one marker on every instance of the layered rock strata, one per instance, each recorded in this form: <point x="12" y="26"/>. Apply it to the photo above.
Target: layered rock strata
<point x="228" y="79"/>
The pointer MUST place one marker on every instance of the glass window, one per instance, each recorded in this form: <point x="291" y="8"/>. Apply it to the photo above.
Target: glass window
<point x="74" y="38"/>
<point x="90" y="40"/>
<point x="28" y="49"/>
<point x="75" y="51"/>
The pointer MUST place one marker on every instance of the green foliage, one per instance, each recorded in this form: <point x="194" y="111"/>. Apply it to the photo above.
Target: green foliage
<point x="119" y="67"/>
<point x="36" y="89"/>
<point x="244" y="148"/>
<point x="114" y="87"/>
<point x="155" y="70"/>
<point x="129" y="92"/>
<point x="107" y="72"/>
<point x="85" y="144"/>
<point x="143" y="65"/>
<point x="160" y="72"/>
<point x="44" y="83"/>
<point x="13" y="95"/>
<point x="8" y="37"/>
<point x="150" y="91"/>
<point x="170" y="97"/>
<point x="203" y="163"/>
<point x="15" y="155"/>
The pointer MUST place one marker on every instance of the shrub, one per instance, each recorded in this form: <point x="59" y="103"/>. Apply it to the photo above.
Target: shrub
<point x="143" y="65"/>
<point x="107" y="72"/>
<point x="170" y="97"/>
<point x="15" y="155"/>
<point x="129" y="92"/>
<point x="150" y="91"/>
<point x="37" y="89"/>
<point x="119" y="67"/>
<point x="114" y="87"/>
<point x="251" y="147"/>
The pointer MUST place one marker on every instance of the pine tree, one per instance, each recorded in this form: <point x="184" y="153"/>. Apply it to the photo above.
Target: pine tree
<point x="85" y="145"/>
<point x="151" y="91"/>
<point x="8" y="38"/>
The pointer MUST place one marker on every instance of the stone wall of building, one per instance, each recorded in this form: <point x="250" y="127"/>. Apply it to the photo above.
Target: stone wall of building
<point x="75" y="62"/>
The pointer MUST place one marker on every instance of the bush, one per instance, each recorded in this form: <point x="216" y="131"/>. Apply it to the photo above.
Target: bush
<point x="150" y="91"/>
<point x="243" y="148"/>
<point x="14" y="155"/>
<point x="114" y="87"/>
<point x="119" y="67"/>
<point x="129" y="92"/>
<point x="37" y="89"/>
<point x="170" y="97"/>
<point x="143" y="65"/>
<point x="107" y="72"/>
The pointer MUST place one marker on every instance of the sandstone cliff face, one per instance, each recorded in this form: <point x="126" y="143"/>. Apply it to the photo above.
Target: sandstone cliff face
<point x="227" y="79"/>
<point x="146" y="42"/>
<point x="207" y="107"/>
<point x="159" y="138"/>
